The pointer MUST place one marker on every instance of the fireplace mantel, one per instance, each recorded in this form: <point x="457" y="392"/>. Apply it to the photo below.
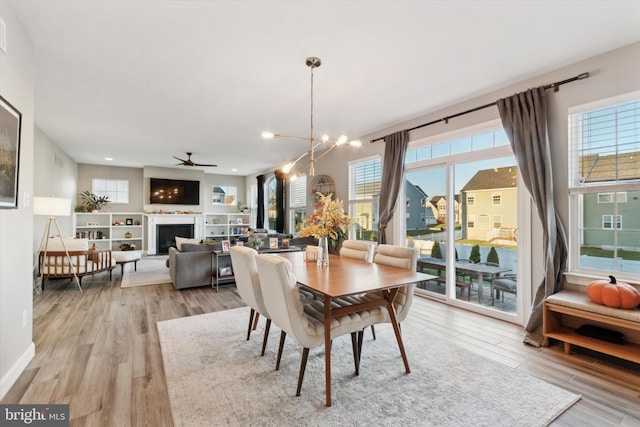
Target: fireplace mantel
<point x="155" y="219"/>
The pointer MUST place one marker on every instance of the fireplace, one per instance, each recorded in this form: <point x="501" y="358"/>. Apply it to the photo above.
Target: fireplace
<point x="195" y="222"/>
<point x="166" y="235"/>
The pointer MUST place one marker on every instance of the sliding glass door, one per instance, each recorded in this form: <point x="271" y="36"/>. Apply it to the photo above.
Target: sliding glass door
<point x="461" y="213"/>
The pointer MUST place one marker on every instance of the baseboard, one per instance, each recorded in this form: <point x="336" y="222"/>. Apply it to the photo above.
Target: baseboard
<point x="10" y="378"/>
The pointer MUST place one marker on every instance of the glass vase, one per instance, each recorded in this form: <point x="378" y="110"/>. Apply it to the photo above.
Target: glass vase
<point x="323" y="252"/>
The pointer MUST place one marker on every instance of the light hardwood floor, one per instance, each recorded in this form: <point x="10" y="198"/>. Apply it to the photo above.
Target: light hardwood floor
<point x="99" y="352"/>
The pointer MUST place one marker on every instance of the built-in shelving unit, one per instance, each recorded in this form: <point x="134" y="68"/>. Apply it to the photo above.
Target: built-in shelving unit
<point x="109" y="230"/>
<point x="226" y="225"/>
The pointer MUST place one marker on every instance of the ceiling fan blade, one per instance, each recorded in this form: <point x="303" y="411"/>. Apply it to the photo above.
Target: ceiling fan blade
<point x="202" y="164"/>
<point x="178" y="158"/>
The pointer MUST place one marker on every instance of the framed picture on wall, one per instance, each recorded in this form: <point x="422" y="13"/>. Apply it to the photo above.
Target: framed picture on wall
<point x="10" y="126"/>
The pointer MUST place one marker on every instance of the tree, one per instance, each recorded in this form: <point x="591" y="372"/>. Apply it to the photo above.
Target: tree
<point x="475" y="254"/>
<point x="492" y="256"/>
<point x="436" y="252"/>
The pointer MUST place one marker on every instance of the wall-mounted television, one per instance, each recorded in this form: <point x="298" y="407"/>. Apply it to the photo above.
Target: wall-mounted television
<point x="174" y="192"/>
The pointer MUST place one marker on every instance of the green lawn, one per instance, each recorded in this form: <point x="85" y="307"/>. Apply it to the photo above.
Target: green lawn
<point x="603" y="253"/>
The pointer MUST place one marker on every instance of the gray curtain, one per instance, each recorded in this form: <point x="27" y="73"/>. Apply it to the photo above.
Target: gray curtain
<point x="524" y="118"/>
<point x="392" y="175"/>
<point x="260" y="213"/>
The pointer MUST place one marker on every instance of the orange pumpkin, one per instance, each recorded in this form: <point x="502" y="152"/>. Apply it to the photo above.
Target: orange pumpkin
<point x="613" y="294"/>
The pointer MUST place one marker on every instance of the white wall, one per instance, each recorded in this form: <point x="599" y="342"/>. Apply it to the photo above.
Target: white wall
<point x="87" y="172"/>
<point x="56" y="176"/>
<point x="16" y="225"/>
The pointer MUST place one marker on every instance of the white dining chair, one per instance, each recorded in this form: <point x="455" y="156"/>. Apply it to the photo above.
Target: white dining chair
<point x="303" y="322"/>
<point x="243" y="261"/>
<point x="358" y="249"/>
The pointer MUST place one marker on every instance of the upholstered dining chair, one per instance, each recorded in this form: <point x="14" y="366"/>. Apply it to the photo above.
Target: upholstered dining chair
<point x="357" y="249"/>
<point x="243" y="260"/>
<point x="303" y="322"/>
<point x="393" y="256"/>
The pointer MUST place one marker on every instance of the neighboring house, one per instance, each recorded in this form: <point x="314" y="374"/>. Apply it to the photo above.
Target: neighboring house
<point x="419" y="215"/>
<point x="489" y="205"/>
<point x="439" y="208"/>
<point x="600" y="215"/>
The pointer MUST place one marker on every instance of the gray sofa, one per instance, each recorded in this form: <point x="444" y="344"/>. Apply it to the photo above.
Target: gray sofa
<point x="193" y="266"/>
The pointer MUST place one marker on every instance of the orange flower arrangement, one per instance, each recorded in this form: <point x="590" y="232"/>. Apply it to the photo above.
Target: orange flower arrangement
<point x="327" y="220"/>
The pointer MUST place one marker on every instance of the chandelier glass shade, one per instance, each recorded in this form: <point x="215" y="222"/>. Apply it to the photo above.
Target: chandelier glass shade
<point x="314" y="143"/>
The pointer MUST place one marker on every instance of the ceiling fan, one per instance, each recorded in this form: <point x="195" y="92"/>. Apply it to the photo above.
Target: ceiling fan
<point x="189" y="162"/>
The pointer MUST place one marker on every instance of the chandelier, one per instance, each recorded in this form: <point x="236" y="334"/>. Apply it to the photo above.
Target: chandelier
<point x="314" y="143"/>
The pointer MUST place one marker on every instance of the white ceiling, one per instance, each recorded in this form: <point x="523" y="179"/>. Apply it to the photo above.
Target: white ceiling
<point x="143" y="81"/>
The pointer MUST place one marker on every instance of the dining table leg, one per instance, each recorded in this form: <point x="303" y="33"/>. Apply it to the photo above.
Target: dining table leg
<point x="390" y="297"/>
<point x="480" y="279"/>
<point x="327" y="347"/>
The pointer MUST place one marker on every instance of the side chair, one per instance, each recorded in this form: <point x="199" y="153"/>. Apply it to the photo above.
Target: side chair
<point x="243" y="260"/>
<point x="357" y="249"/>
<point x="303" y="322"/>
<point x="393" y="256"/>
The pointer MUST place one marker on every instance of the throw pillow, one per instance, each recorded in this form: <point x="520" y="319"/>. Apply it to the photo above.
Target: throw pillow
<point x="181" y="240"/>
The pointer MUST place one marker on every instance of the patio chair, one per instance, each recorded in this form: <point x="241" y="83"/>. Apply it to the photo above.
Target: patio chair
<point x="505" y="283"/>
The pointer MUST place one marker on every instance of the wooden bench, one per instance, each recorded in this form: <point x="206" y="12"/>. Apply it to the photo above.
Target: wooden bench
<point x="567" y="310"/>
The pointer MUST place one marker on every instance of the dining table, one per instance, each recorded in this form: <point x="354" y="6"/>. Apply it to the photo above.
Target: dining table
<point x="480" y="270"/>
<point x="347" y="277"/>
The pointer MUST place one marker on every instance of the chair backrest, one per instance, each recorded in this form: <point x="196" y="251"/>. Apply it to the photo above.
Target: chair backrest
<point x="282" y="300"/>
<point x="397" y="256"/>
<point x="358" y="250"/>
<point x="245" y="270"/>
<point x="400" y="257"/>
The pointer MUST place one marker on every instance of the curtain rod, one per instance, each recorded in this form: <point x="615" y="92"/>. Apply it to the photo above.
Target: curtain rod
<point x="555" y="86"/>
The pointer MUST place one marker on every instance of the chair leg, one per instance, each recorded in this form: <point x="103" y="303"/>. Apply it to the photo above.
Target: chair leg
<point x="283" y="335"/>
<point x="356" y="358"/>
<point x="360" y="339"/>
<point x="303" y="365"/>
<point x="266" y="336"/>
<point x="373" y="332"/>
<point x="250" y="322"/>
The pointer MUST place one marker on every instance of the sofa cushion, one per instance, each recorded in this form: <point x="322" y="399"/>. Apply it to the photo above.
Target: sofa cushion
<point x="201" y="247"/>
<point x="72" y="244"/>
<point x="182" y="240"/>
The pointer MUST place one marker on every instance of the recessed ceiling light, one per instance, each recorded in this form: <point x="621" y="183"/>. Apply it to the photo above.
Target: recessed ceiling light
<point x="234" y="170"/>
<point x="108" y="158"/>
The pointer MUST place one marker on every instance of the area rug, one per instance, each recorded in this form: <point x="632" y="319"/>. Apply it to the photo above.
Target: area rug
<point x="215" y="377"/>
<point x="150" y="271"/>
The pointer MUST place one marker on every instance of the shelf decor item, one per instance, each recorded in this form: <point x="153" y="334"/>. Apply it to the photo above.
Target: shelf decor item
<point x="92" y="202"/>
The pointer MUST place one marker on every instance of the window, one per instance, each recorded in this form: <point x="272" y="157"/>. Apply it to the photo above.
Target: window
<point x="607" y="221"/>
<point x="270" y="199"/>
<point x="297" y="203"/>
<point x="471" y="199"/>
<point x="364" y="194"/>
<point x="497" y="221"/>
<point x="471" y="221"/>
<point x="604" y="177"/>
<point x="225" y="195"/>
<point x="496" y="199"/>
<point x="609" y="197"/>
<point x="116" y="189"/>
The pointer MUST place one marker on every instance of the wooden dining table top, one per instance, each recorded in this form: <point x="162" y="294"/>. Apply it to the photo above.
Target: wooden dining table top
<point x="347" y="276"/>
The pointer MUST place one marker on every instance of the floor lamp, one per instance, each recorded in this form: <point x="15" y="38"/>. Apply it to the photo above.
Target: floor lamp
<point x="52" y="207"/>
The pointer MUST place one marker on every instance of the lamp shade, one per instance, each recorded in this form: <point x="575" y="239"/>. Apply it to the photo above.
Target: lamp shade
<point x="51" y="206"/>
